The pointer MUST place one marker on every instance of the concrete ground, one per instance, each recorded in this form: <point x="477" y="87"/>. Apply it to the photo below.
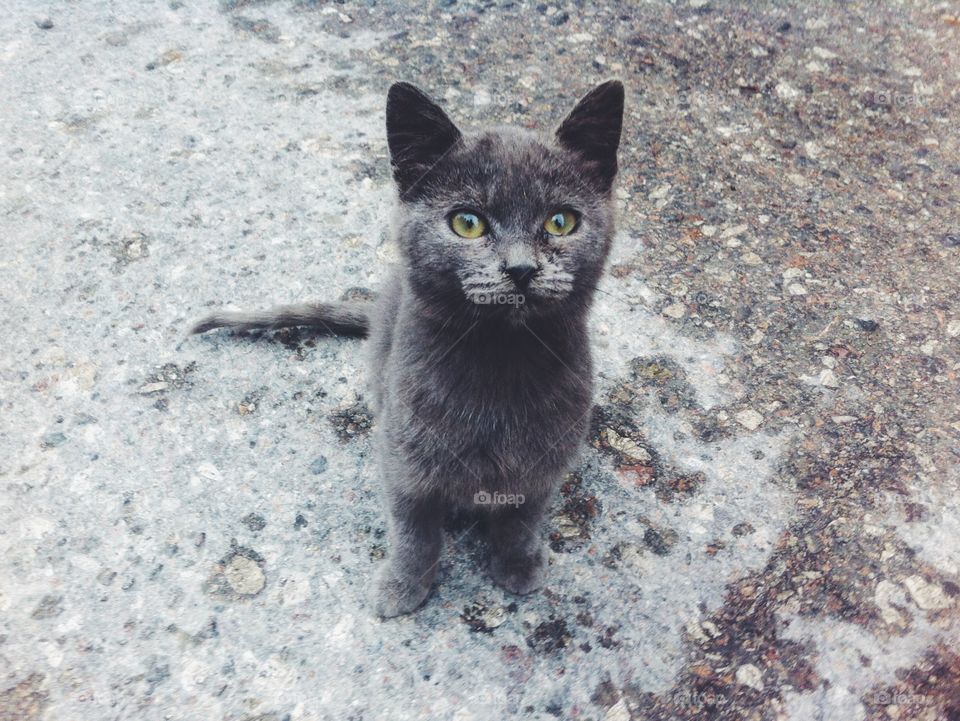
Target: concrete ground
<point x="766" y="522"/>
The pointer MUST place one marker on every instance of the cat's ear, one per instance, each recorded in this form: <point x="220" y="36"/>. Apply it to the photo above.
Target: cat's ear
<point x="419" y="133"/>
<point x="592" y="130"/>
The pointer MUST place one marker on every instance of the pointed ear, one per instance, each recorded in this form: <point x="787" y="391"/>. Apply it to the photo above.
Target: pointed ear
<point x="418" y="133"/>
<point x="592" y="130"/>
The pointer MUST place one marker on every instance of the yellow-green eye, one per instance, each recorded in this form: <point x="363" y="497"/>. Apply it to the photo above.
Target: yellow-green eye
<point x="561" y="223"/>
<point x="468" y="225"/>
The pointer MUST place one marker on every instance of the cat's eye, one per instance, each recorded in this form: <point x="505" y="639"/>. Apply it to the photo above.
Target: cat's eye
<point x="467" y="224"/>
<point x="561" y="223"/>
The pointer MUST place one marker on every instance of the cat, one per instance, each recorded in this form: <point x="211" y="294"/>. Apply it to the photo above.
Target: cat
<point x="480" y="370"/>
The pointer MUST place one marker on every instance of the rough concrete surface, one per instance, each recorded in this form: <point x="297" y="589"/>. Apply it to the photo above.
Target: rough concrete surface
<point x="766" y="522"/>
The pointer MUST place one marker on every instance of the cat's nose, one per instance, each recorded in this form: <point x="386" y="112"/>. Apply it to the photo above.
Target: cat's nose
<point x="521" y="274"/>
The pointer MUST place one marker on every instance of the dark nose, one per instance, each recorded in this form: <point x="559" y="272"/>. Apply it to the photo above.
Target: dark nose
<point x="522" y="274"/>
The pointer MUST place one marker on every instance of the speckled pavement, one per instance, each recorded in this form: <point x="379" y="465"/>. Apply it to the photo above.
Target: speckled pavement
<point x="766" y="521"/>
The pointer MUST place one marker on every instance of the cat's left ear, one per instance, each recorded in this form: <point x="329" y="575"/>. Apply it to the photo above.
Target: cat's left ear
<point x="419" y="133"/>
<point x="592" y="130"/>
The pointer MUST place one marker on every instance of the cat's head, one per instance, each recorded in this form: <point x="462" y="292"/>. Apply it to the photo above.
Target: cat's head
<point x="505" y="220"/>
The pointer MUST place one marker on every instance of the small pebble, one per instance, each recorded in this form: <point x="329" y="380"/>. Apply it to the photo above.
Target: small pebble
<point x="828" y="379"/>
<point x="750" y="675"/>
<point x="660" y="192"/>
<point x="52" y="440"/>
<point x="254" y="521"/>
<point x="618" y="712"/>
<point x="735" y="230"/>
<point x="50" y="606"/>
<point x="868" y="325"/>
<point x="481" y="617"/>
<point x="786" y="91"/>
<point x="749" y="419"/>
<point x="675" y="310"/>
<point x="657" y="542"/>
<point x="928" y="596"/>
<point x="149" y="388"/>
<point x="45" y="24"/>
<point x="244" y="575"/>
<point x="627" y="447"/>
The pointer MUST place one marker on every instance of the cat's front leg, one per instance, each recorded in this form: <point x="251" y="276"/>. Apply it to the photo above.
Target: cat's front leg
<point x="517" y="556"/>
<point x="404" y="580"/>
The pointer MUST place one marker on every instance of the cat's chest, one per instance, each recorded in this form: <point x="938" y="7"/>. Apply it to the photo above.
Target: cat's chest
<point x="500" y="395"/>
<point x="490" y="415"/>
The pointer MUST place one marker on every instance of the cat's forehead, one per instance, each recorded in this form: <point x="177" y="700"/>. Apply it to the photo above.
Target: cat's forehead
<point x="510" y="167"/>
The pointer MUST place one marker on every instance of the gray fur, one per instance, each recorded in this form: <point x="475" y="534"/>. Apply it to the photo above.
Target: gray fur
<point x="472" y="397"/>
<point x="347" y="318"/>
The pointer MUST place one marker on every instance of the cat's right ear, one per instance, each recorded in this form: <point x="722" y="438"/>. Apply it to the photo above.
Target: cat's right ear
<point x="419" y="134"/>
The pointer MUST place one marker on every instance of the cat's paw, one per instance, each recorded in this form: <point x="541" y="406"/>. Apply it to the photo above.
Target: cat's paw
<point x="394" y="595"/>
<point x="518" y="575"/>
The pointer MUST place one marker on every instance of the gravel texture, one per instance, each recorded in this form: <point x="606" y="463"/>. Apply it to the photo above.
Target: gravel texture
<point x="765" y="523"/>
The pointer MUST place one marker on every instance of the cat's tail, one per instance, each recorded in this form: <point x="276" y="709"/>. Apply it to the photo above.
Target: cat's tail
<point x="350" y="318"/>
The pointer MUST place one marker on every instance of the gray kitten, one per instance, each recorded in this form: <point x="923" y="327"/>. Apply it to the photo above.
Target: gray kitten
<point x="480" y="368"/>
